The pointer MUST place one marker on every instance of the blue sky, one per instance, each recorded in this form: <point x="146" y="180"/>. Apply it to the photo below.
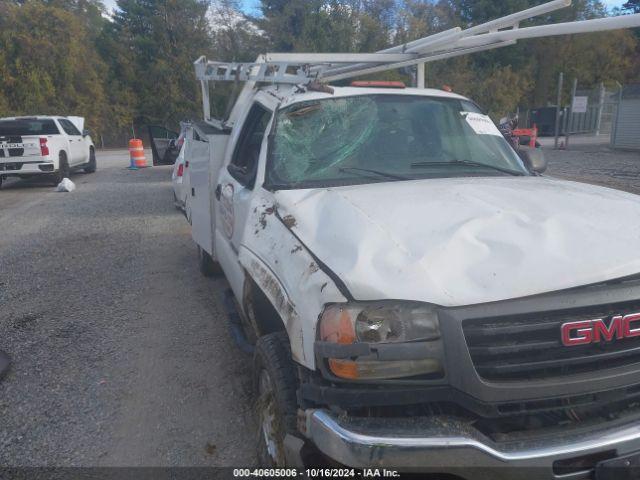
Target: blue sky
<point x="251" y="6"/>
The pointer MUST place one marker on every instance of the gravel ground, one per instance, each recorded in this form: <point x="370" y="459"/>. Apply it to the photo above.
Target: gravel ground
<point x="121" y="353"/>
<point x="598" y="165"/>
<point x="120" y="347"/>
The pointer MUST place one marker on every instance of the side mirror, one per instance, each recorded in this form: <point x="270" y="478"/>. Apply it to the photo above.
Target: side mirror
<point x="533" y="158"/>
<point x="86" y="133"/>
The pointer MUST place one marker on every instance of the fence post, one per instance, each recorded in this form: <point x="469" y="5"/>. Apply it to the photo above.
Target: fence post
<point x="570" y="122"/>
<point x="614" y="126"/>
<point x="558" y="102"/>
<point x="420" y="80"/>
<point x="600" y="108"/>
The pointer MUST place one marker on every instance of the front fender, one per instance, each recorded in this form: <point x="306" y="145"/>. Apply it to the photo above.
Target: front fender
<point x="297" y="287"/>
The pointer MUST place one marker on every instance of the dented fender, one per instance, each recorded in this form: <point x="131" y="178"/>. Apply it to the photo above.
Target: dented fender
<point x="288" y="274"/>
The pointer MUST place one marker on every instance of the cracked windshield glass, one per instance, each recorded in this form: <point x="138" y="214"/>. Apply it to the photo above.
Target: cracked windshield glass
<point x="360" y="139"/>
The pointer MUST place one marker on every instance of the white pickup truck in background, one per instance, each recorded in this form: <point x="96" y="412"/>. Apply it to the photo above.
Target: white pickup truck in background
<point x="44" y="145"/>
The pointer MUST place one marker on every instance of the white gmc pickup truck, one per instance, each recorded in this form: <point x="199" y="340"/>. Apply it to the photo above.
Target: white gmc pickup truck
<point x="44" y="145"/>
<point x="421" y="296"/>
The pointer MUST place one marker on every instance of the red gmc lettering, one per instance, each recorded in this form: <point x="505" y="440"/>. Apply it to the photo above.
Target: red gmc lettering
<point x="629" y="331"/>
<point x="583" y="333"/>
<point x="601" y="331"/>
<point x="594" y="331"/>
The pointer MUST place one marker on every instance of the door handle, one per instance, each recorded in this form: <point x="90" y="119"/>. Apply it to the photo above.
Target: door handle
<point x="219" y="191"/>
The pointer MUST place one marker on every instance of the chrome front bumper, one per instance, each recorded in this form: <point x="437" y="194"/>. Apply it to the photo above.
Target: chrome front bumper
<point x="446" y="446"/>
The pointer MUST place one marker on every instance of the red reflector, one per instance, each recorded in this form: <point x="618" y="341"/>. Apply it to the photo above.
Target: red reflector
<point x="378" y="84"/>
<point x="44" y="149"/>
<point x="180" y="169"/>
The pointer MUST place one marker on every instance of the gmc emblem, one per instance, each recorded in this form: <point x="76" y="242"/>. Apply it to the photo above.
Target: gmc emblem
<point x="595" y="331"/>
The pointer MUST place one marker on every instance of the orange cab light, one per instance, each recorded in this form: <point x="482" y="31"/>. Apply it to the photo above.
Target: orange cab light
<point x="378" y="84"/>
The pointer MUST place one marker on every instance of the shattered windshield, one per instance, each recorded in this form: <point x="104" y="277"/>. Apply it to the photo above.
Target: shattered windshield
<point x="360" y="139"/>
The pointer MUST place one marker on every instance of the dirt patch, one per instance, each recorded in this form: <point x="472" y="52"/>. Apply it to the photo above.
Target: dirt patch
<point x="289" y="221"/>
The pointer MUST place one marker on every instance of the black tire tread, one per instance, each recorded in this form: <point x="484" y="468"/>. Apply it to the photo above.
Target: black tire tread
<point x="273" y="352"/>
<point x="59" y="175"/>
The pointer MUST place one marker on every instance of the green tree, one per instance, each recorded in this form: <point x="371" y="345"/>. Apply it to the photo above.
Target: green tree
<point x="632" y="5"/>
<point x="161" y="39"/>
<point x="50" y="65"/>
<point x="235" y="36"/>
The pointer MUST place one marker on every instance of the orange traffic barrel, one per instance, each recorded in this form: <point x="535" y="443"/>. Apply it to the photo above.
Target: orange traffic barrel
<point x="136" y="152"/>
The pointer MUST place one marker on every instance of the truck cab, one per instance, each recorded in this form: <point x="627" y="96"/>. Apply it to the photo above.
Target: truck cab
<point x="419" y="296"/>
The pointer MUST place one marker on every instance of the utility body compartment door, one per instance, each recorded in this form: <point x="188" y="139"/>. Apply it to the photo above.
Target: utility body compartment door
<point x="204" y="153"/>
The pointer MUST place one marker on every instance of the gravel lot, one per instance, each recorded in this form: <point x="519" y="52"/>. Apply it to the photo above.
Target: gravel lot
<point x="598" y="165"/>
<point x="121" y="351"/>
<point x="120" y="347"/>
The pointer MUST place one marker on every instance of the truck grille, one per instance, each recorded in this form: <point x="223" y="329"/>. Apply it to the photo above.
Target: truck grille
<point x="529" y="346"/>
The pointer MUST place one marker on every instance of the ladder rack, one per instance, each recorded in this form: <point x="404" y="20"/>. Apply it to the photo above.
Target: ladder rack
<point x="303" y="68"/>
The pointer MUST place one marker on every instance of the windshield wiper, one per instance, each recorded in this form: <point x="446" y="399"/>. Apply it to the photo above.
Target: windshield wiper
<point x="375" y="172"/>
<point x="467" y="163"/>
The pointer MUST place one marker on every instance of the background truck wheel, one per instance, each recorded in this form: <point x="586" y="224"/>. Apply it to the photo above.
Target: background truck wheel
<point x="208" y="266"/>
<point x="92" y="165"/>
<point x="275" y="383"/>
<point x="63" y="170"/>
<point x="1" y="180"/>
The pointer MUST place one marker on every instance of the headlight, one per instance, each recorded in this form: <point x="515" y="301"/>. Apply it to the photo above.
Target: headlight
<point x="384" y="325"/>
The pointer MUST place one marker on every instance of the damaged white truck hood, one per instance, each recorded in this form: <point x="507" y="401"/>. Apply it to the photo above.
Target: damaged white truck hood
<point x="464" y="241"/>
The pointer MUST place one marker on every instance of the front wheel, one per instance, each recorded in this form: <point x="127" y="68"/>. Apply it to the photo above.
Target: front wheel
<point x="275" y="383"/>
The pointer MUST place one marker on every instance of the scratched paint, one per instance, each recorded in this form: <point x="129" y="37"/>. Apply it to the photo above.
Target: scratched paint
<point x="288" y="275"/>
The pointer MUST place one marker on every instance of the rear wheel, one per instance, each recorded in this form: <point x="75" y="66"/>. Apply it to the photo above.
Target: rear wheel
<point x="275" y="383"/>
<point x="92" y="165"/>
<point x="63" y="170"/>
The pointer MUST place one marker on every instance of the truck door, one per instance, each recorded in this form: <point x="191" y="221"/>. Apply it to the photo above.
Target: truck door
<point x="78" y="151"/>
<point x="234" y="192"/>
<point x="163" y="146"/>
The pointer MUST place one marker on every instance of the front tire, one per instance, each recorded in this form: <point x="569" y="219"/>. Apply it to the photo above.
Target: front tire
<point x="92" y="166"/>
<point x="275" y="383"/>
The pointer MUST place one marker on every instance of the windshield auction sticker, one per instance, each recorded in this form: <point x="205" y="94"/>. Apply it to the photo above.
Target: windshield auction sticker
<point x="481" y="124"/>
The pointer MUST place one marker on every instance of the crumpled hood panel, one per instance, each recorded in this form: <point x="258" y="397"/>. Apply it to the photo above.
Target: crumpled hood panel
<point x="466" y="241"/>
